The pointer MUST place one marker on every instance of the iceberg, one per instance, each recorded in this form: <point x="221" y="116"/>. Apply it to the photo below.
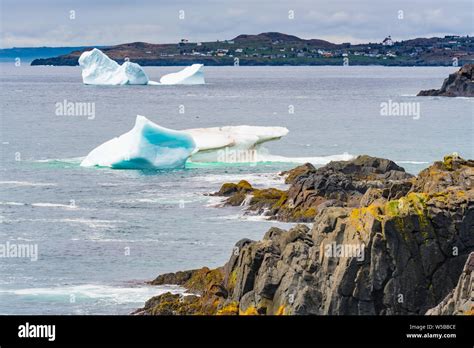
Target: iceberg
<point x="232" y="143"/>
<point x="191" y="75"/>
<point x="98" y="69"/>
<point x="146" y="146"/>
<point x="150" y="146"/>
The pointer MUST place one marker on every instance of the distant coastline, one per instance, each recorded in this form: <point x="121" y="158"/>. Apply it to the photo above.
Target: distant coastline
<point x="276" y="49"/>
<point x="28" y="54"/>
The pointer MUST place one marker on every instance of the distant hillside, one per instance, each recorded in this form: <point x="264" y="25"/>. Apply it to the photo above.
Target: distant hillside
<point x="28" y="54"/>
<point x="274" y="37"/>
<point x="275" y="48"/>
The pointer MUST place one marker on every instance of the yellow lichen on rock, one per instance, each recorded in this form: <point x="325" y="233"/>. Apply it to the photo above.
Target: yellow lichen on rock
<point x="231" y="308"/>
<point x="249" y="311"/>
<point x="281" y="310"/>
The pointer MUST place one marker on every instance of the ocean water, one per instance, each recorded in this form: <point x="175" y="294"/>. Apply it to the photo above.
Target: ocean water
<point x="101" y="233"/>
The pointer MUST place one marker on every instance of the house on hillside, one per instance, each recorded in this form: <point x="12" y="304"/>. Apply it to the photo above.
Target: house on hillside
<point x="387" y="41"/>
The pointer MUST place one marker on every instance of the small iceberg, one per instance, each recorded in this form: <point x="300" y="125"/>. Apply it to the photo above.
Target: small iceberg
<point x="146" y="146"/>
<point x="150" y="146"/>
<point x="191" y="75"/>
<point x="99" y="69"/>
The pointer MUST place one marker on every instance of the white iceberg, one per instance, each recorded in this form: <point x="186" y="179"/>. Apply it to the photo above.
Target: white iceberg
<point x="98" y="69"/>
<point x="150" y="146"/>
<point x="191" y="75"/>
<point x="146" y="146"/>
<point x="232" y="143"/>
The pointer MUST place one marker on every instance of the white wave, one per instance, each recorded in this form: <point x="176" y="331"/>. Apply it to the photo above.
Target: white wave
<point x="259" y="218"/>
<point x="12" y="203"/>
<point x="26" y="183"/>
<point x="115" y="294"/>
<point x="215" y="201"/>
<point x="157" y="196"/>
<point x="256" y="179"/>
<point x="99" y="239"/>
<point x="412" y="162"/>
<point x="244" y="217"/>
<point x="54" y="205"/>
<point x="72" y="160"/>
<point x="157" y="200"/>
<point x="42" y="205"/>
<point x="246" y="201"/>
<point x="321" y="160"/>
<point x="109" y="184"/>
<point x="91" y="223"/>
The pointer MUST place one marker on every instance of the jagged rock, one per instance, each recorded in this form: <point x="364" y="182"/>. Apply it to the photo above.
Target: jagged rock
<point x="460" y="301"/>
<point x="339" y="183"/>
<point x="301" y="171"/>
<point x="196" y="280"/>
<point x="230" y="188"/>
<point x="178" y="278"/>
<point x="458" y="84"/>
<point x="452" y="172"/>
<point x="388" y="257"/>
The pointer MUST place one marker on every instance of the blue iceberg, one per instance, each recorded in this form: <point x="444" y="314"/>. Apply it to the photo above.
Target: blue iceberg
<point x="150" y="146"/>
<point x="146" y="146"/>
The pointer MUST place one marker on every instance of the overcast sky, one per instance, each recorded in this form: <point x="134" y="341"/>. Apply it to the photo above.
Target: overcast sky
<point x="28" y="23"/>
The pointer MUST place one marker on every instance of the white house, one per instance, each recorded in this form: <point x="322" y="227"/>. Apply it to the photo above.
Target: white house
<point x="387" y="41"/>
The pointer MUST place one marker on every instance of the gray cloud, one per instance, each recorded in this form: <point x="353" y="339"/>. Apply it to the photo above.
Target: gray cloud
<point x="106" y="22"/>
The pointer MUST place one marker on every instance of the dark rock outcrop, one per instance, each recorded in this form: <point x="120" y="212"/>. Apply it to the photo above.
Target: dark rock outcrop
<point x="460" y="301"/>
<point x="197" y="280"/>
<point x="339" y="183"/>
<point x="392" y="256"/>
<point x="459" y="84"/>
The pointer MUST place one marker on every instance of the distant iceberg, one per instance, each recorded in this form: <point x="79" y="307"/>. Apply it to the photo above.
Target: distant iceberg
<point x="191" y="75"/>
<point x="150" y="146"/>
<point x="146" y="146"/>
<point x="99" y="69"/>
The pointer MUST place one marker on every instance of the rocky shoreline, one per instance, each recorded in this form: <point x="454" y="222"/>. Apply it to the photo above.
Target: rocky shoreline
<point x="383" y="242"/>
<point x="338" y="184"/>
<point x="458" y="84"/>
